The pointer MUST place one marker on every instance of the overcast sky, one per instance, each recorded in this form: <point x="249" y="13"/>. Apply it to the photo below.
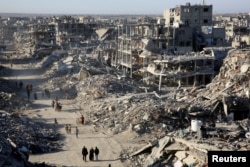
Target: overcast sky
<point x="115" y="6"/>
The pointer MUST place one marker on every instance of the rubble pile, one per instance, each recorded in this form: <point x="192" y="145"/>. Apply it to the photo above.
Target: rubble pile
<point x="28" y="133"/>
<point x="11" y="101"/>
<point x="49" y="63"/>
<point x="4" y="71"/>
<point x="190" y="147"/>
<point x="230" y="87"/>
<point x="233" y="80"/>
<point x="99" y="86"/>
<point x="21" y="137"/>
<point x="9" y="154"/>
<point x="124" y="114"/>
<point x="119" y="105"/>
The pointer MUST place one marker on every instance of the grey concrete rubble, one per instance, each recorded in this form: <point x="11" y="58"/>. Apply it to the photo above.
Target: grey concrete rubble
<point x="150" y="114"/>
<point x="21" y="136"/>
<point x="122" y="104"/>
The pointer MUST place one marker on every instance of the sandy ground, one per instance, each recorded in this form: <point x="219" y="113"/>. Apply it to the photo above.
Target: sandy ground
<point x="110" y="146"/>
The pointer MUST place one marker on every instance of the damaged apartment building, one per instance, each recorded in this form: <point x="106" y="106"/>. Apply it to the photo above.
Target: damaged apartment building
<point x="237" y="29"/>
<point x="64" y="31"/>
<point x="167" y="50"/>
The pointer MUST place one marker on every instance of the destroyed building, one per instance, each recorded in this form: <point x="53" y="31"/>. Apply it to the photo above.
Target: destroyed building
<point x="194" y="21"/>
<point x="137" y="39"/>
<point x="179" y="70"/>
<point x="42" y="33"/>
<point x="71" y="30"/>
<point x="237" y="29"/>
<point x="222" y="110"/>
<point x="186" y="28"/>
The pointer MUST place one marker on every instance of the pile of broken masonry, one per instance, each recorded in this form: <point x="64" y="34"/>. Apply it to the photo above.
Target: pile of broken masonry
<point x="229" y="89"/>
<point x="20" y="136"/>
<point x="121" y="104"/>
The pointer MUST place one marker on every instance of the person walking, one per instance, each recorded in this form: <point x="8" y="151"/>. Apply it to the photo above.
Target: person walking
<point x="84" y="153"/>
<point x="91" y="154"/>
<point x="82" y="119"/>
<point x="53" y="103"/>
<point x="28" y="90"/>
<point x="67" y="128"/>
<point x="55" y="121"/>
<point x="77" y="131"/>
<point x="96" y="153"/>
<point x="20" y="84"/>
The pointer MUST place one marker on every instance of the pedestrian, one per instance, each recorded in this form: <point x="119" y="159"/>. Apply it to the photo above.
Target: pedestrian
<point x="56" y="105"/>
<point x="84" y="153"/>
<point x="91" y="154"/>
<point x="28" y="90"/>
<point x="45" y="92"/>
<point x="96" y="153"/>
<point x="82" y="119"/>
<point x="20" y="84"/>
<point x="48" y="93"/>
<point x="53" y="103"/>
<point x="56" y="121"/>
<point x="67" y="128"/>
<point x="77" y="131"/>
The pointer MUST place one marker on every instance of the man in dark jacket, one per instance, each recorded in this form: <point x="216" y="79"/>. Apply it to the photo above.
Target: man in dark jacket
<point x="96" y="153"/>
<point x="84" y="153"/>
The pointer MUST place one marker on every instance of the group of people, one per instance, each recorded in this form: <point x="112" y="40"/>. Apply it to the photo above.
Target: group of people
<point x="56" y="105"/>
<point x="20" y="84"/>
<point x="68" y="128"/>
<point x="92" y="153"/>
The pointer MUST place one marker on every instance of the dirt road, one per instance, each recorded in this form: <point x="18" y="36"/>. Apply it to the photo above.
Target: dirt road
<point x="71" y="154"/>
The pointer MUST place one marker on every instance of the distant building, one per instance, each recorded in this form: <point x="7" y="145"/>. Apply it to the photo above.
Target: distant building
<point x="189" y="15"/>
<point x="237" y="29"/>
<point x="160" y="49"/>
<point x="42" y="33"/>
<point x="191" y="27"/>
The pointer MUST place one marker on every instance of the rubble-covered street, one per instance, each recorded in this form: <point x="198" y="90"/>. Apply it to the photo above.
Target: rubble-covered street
<point x="118" y="106"/>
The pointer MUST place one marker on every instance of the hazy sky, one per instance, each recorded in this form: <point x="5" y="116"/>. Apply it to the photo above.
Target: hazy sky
<point x="114" y="6"/>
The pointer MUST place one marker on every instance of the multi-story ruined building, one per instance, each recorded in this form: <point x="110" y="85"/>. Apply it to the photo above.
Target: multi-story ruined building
<point x="146" y="46"/>
<point x="137" y="44"/>
<point x="71" y="30"/>
<point x="178" y="70"/>
<point x="191" y="27"/>
<point x="237" y="29"/>
<point x="42" y="33"/>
